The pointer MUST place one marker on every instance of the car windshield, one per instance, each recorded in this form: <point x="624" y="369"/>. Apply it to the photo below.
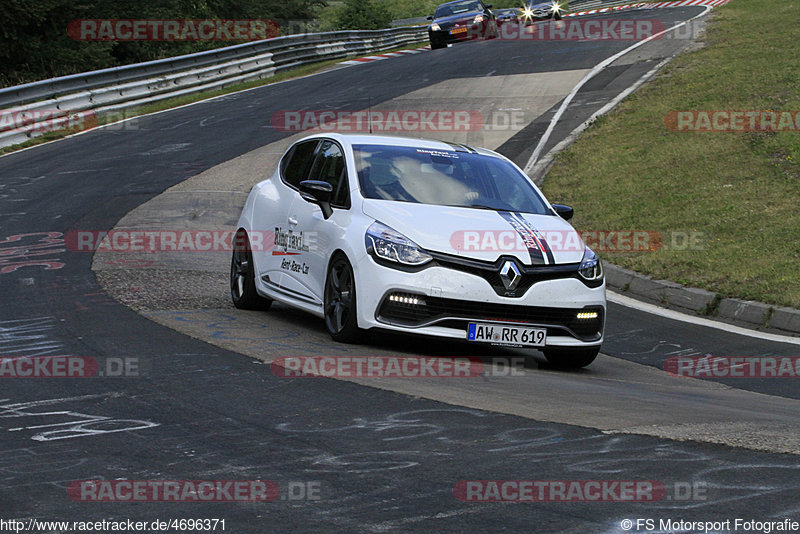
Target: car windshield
<point x="446" y="10"/>
<point x="445" y="178"/>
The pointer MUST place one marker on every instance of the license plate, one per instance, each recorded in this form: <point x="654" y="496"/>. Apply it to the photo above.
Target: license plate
<point x="500" y="334"/>
<point x="457" y="30"/>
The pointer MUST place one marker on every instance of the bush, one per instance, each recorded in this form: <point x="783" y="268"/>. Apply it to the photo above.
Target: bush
<point x="363" y="15"/>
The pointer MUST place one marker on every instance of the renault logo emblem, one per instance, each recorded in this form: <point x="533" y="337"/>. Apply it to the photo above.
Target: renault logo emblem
<point x="510" y="275"/>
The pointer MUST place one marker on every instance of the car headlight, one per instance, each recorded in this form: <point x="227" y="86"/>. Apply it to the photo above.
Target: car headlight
<point x="435" y="27"/>
<point x="556" y="7"/>
<point x="591" y="268"/>
<point x="390" y="245"/>
<point x="479" y="18"/>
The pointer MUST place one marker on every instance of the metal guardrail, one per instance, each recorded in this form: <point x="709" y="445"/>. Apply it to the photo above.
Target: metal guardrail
<point x="55" y="100"/>
<point x="578" y="5"/>
<point x="31" y="109"/>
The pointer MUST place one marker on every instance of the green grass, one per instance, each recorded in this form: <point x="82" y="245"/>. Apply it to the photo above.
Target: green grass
<point x="170" y="103"/>
<point x="740" y="190"/>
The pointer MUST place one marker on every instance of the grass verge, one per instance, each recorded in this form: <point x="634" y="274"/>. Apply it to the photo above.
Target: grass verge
<point x="739" y="191"/>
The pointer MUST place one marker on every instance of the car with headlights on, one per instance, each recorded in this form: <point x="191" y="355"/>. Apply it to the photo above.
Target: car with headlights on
<point x="460" y="21"/>
<point x="541" y="10"/>
<point x="420" y="237"/>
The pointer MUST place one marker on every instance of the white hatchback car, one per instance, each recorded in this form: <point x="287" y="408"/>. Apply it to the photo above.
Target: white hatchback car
<point x="418" y="236"/>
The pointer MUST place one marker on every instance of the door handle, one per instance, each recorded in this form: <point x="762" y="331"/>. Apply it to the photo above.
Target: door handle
<point x="293" y="221"/>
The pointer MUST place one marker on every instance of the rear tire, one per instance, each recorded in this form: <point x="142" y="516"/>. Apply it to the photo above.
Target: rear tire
<point x="243" y="280"/>
<point x="571" y="358"/>
<point x="341" y="318"/>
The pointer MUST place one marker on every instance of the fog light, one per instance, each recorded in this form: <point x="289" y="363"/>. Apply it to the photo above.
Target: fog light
<point x="587" y="315"/>
<point x="406" y="299"/>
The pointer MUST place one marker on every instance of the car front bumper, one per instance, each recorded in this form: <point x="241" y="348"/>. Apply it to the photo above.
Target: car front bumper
<point x="475" y="31"/>
<point x="446" y="300"/>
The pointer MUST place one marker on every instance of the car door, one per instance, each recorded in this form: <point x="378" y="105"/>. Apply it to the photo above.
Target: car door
<point x="271" y="233"/>
<point x="319" y="236"/>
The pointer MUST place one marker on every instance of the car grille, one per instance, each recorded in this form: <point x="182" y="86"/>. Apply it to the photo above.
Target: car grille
<point x="407" y="309"/>
<point x="491" y="272"/>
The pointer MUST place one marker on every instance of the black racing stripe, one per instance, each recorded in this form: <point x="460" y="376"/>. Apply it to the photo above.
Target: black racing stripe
<point x="535" y="253"/>
<point x="550" y="258"/>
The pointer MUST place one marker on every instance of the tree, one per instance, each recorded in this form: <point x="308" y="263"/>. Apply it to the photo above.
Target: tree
<point x="363" y="15"/>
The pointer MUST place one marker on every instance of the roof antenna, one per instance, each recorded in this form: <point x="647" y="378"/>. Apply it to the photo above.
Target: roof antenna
<point x="369" y="113"/>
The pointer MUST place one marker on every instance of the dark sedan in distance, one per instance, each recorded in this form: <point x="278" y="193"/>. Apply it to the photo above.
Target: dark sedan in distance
<point x="461" y="20"/>
<point x="511" y="14"/>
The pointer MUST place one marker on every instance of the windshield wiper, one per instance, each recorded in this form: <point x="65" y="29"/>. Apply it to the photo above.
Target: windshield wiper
<point x="485" y="207"/>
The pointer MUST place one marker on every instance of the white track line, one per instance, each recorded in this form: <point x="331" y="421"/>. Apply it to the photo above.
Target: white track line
<point x="629" y="302"/>
<point x="545" y="161"/>
<point x="622" y="299"/>
<point x="599" y="67"/>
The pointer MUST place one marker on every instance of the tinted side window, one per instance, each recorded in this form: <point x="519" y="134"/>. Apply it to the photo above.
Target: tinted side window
<point x="296" y="163"/>
<point x="329" y="167"/>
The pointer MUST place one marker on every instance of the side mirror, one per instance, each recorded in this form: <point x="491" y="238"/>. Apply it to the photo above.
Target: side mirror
<point x="565" y="212"/>
<point x="488" y="6"/>
<point x="319" y="193"/>
<point x="429" y="17"/>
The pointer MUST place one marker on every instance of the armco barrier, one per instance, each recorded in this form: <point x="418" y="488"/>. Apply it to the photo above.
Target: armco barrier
<point x="106" y="90"/>
<point x="131" y="85"/>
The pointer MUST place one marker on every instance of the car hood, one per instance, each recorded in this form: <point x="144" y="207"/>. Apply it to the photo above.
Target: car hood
<point x="481" y="234"/>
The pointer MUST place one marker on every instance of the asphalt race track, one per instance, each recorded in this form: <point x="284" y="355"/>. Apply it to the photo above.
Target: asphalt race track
<point x="203" y="405"/>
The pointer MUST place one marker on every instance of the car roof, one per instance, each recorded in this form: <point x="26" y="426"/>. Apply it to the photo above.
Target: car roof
<point x="397" y="140"/>
<point x="453" y="2"/>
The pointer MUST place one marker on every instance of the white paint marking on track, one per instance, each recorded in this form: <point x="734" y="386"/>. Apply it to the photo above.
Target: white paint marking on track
<point x="616" y="297"/>
<point x="543" y="163"/>
<point x="594" y="72"/>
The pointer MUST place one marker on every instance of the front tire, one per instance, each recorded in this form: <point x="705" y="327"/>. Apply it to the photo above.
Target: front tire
<point x="243" y="280"/>
<point x="341" y="318"/>
<point x="571" y="358"/>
